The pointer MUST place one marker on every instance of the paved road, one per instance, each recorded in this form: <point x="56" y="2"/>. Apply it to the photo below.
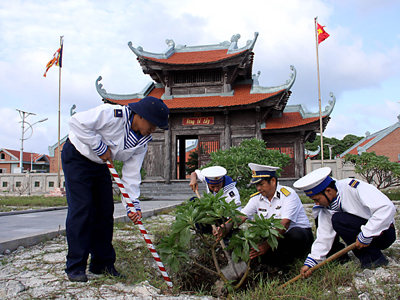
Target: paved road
<point x="29" y="228"/>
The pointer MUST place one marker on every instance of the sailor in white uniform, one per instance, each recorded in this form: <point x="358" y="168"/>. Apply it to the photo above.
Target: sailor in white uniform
<point x="102" y="134"/>
<point x="284" y="203"/>
<point x="356" y="211"/>
<point x="216" y="179"/>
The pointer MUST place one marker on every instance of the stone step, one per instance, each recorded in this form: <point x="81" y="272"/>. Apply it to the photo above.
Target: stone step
<point x="175" y="191"/>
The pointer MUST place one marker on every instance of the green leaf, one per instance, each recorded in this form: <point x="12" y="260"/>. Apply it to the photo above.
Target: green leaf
<point x="185" y="236"/>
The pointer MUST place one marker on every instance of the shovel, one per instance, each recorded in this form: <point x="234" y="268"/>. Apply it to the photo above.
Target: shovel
<point x="330" y="258"/>
<point x="233" y="270"/>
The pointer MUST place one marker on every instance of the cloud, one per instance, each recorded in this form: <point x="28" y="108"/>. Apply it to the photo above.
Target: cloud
<point x="96" y="34"/>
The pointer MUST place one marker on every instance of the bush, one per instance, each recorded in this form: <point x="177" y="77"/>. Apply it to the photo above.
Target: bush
<point x="236" y="159"/>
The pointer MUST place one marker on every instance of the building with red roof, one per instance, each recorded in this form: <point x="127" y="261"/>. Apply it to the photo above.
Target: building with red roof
<point x="214" y="97"/>
<point x="9" y="161"/>
<point x="383" y="142"/>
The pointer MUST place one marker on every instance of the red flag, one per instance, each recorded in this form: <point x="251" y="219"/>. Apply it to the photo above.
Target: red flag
<point x="57" y="59"/>
<point x="322" y="34"/>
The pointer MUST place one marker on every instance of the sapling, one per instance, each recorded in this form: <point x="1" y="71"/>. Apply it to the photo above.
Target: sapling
<point x="214" y="210"/>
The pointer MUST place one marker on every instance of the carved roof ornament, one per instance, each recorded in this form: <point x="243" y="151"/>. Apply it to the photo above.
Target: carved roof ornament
<point x="255" y="78"/>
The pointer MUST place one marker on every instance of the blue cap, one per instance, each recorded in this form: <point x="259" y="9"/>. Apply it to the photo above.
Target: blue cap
<point x="153" y="110"/>
<point x="314" y="182"/>
<point x="260" y="172"/>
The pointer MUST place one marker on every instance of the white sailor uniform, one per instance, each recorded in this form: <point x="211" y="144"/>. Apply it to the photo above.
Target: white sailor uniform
<point x="285" y="204"/>
<point x="359" y="199"/>
<point x="229" y="188"/>
<point x="109" y="126"/>
<point x="89" y="223"/>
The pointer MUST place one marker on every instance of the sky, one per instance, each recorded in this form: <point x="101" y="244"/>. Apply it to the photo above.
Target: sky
<point x="359" y="63"/>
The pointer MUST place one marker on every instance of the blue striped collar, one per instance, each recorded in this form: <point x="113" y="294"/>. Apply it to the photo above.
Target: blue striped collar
<point x="336" y="203"/>
<point x="131" y="138"/>
<point x="228" y="184"/>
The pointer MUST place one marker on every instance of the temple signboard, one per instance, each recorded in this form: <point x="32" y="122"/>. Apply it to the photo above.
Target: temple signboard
<point x="198" y="121"/>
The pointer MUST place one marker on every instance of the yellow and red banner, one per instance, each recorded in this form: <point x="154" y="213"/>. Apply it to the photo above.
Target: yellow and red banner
<point x="322" y="34"/>
<point x="56" y="59"/>
<point x="198" y="121"/>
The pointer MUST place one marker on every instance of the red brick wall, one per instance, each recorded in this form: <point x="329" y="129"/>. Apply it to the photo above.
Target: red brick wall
<point x="53" y="160"/>
<point x="6" y="166"/>
<point x="388" y="146"/>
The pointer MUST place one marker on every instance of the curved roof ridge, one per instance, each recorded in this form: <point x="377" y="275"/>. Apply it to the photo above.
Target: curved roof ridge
<point x="103" y="93"/>
<point x="231" y="47"/>
<point x="256" y="89"/>
<point x="305" y="113"/>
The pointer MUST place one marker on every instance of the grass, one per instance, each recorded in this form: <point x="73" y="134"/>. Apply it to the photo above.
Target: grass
<point x="393" y="194"/>
<point x="332" y="281"/>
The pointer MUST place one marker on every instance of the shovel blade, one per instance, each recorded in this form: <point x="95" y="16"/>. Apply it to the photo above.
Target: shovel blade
<point x="234" y="271"/>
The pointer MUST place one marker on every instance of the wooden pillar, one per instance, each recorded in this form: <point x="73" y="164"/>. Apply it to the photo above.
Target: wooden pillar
<point x="227" y="131"/>
<point x="258" y="123"/>
<point x="168" y="156"/>
<point x="302" y="163"/>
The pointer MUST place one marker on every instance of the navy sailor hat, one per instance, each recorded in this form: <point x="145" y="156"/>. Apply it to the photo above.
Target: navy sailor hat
<point x="259" y="172"/>
<point x="314" y="182"/>
<point x="214" y="174"/>
<point x="153" y="110"/>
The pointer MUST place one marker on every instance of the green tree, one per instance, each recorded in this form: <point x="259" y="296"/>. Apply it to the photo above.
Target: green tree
<point x="236" y="159"/>
<point x="376" y="169"/>
<point x="339" y="146"/>
<point x="193" y="162"/>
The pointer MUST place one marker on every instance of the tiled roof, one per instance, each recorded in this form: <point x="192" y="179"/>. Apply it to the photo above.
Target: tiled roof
<point x="288" y="120"/>
<point x="199" y="57"/>
<point x="355" y="151"/>
<point x="26" y="155"/>
<point x="241" y="96"/>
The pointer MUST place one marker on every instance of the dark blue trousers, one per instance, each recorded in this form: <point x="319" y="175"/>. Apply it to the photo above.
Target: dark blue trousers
<point x="348" y="227"/>
<point x="89" y="224"/>
<point x="296" y="244"/>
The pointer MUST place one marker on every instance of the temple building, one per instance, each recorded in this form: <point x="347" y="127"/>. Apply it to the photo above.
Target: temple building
<point x="214" y="98"/>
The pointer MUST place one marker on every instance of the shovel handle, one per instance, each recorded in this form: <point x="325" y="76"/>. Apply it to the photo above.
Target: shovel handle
<point x="322" y="263"/>
<point x="197" y="193"/>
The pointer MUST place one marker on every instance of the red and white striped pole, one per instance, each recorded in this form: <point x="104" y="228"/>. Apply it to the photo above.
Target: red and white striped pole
<point x="141" y="227"/>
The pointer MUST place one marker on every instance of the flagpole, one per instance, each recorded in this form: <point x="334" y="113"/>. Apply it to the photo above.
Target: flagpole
<point x="319" y="95"/>
<point x="59" y="122"/>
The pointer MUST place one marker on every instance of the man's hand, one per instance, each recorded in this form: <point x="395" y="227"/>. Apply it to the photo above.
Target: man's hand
<point x="263" y="248"/>
<point x="222" y="230"/>
<point x="193" y="182"/>
<point x="107" y="157"/>
<point x="194" y="185"/>
<point x="360" y="245"/>
<point x="135" y="217"/>
<point x="305" y="272"/>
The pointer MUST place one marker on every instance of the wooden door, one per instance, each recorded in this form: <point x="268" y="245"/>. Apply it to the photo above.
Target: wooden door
<point x="207" y="144"/>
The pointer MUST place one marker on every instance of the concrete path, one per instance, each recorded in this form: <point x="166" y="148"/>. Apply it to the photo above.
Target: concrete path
<point x="30" y="227"/>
